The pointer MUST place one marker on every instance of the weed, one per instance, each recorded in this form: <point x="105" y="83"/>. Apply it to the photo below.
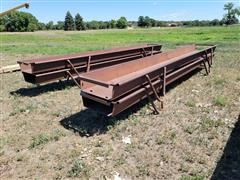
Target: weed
<point x="183" y="168"/>
<point x="17" y="110"/>
<point x="190" y="129"/>
<point x="79" y="168"/>
<point x="160" y="140"/>
<point x="184" y="177"/>
<point x="57" y="134"/>
<point x="172" y="135"/>
<point x="191" y="103"/>
<point x="220" y="101"/>
<point x="207" y="124"/>
<point x="56" y="114"/>
<point x="143" y="170"/>
<point x="190" y="158"/>
<point x="39" y="140"/>
<point x="3" y="141"/>
<point x="120" y="161"/>
<point x="220" y="82"/>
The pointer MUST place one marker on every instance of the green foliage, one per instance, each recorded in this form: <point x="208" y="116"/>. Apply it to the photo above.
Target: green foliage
<point x="92" y="25"/>
<point x="197" y="177"/>
<point x="146" y="22"/>
<point x="59" y="25"/>
<point x="79" y="24"/>
<point x="232" y="14"/>
<point x="45" y="138"/>
<point x="113" y="24"/>
<point x="220" y="101"/>
<point x="41" y="26"/>
<point x="39" y="140"/>
<point x="68" y="23"/>
<point x="49" y="25"/>
<point x="122" y="23"/>
<point x="19" y="22"/>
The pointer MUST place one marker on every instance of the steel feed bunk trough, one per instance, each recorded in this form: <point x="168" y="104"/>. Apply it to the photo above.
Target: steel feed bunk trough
<point x="113" y="89"/>
<point x="43" y="70"/>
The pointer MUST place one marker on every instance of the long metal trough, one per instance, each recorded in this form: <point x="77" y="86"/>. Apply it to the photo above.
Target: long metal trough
<point x="113" y="89"/>
<point x="48" y="69"/>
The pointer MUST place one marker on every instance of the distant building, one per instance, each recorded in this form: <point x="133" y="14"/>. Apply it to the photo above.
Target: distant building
<point x="172" y="25"/>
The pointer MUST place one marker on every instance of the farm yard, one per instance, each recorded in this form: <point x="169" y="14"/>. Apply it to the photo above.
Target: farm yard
<point x="46" y="133"/>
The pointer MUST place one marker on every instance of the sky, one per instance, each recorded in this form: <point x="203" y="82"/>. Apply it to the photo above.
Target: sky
<point x="55" y="10"/>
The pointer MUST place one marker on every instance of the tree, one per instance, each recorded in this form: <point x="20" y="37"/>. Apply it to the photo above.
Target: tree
<point x="141" y="21"/>
<point x="112" y="24"/>
<point x="92" y="25"/>
<point x="41" y="26"/>
<point x="60" y="25"/>
<point x="153" y="22"/>
<point x="19" y="22"/>
<point x="215" y="22"/>
<point x="79" y="22"/>
<point x="147" y="21"/>
<point x="232" y="14"/>
<point x="49" y="25"/>
<point x="68" y="23"/>
<point x="122" y="23"/>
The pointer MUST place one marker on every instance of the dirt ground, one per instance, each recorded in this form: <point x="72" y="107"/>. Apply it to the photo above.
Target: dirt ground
<point x="46" y="133"/>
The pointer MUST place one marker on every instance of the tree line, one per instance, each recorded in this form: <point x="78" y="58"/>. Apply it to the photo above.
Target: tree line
<point x="22" y="21"/>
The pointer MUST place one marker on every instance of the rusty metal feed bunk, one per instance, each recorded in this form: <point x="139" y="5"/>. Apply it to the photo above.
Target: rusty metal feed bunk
<point x="113" y="89"/>
<point x="43" y="70"/>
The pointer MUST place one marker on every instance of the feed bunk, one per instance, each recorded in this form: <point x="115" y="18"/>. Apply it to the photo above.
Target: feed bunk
<point x="48" y="69"/>
<point x="113" y="89"/>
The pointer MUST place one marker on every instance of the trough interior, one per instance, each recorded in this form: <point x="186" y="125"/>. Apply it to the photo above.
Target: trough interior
<point x="124" y="71"/>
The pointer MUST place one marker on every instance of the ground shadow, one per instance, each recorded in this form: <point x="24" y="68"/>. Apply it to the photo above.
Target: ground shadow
<point x="89" y="122"/>
<point x="37" y="90"/>
<point x="228" y="167"/>
<point x="184" y="78"/>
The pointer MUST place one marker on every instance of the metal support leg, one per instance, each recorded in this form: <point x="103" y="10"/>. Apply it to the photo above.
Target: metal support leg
<point x="164" y="81"/>
<point x="88" y="63"/>
<point x="207" y="59"/>
<point x="205" y="66"/>
<point x="211" y="57"/>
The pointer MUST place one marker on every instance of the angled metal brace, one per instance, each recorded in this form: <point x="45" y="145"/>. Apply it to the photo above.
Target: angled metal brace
<point x="74" y="79"/>
<point x="155" y="94"/>
<point x="75" y="70"/>
<point x="152" y="103"/>
<point x="145" y="54"/>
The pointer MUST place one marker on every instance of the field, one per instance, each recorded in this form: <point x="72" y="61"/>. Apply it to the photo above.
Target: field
<point x="46" y="133"/>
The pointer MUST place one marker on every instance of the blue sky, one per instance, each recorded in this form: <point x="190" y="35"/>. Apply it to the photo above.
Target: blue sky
<point x="46" y="10"/>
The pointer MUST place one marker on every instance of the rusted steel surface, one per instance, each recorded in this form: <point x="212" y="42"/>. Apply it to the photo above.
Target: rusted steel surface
<point x="43" y="70"/>
<point x="113" y="89"/>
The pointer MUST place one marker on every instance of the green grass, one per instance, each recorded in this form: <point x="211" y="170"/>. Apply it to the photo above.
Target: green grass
<point x="44" y="138"/>
<point x="79" y="168"/>
<point x="60" y="42"/>
<point x="183" y="142"/>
